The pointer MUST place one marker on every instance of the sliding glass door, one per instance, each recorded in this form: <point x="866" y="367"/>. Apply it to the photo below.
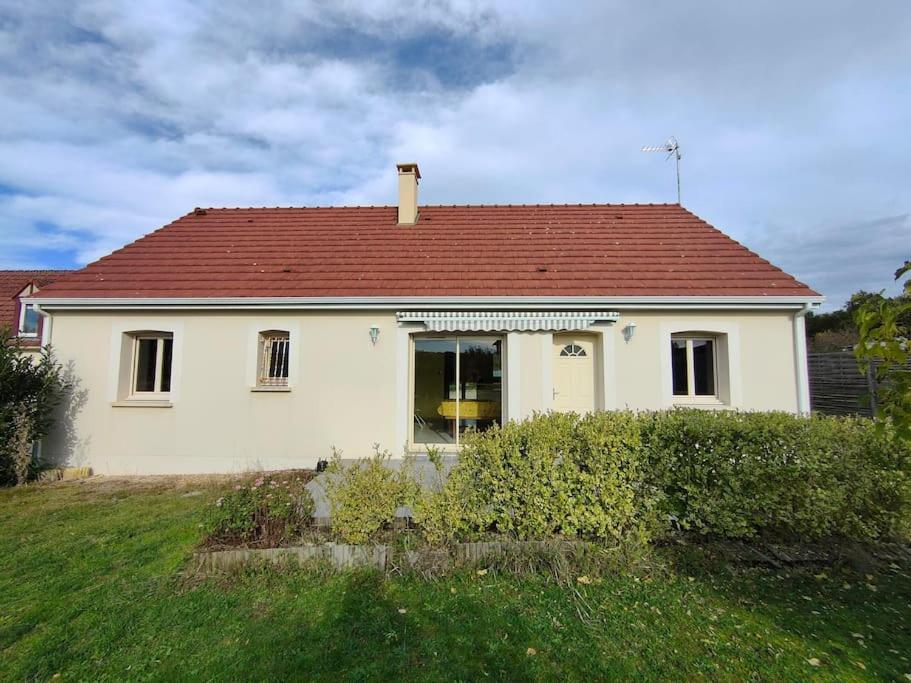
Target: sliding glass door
<point x="457" y="386"/>
<point x="434" y="384"/>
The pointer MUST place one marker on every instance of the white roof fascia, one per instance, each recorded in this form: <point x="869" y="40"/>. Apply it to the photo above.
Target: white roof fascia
<point x="428" y="303"/>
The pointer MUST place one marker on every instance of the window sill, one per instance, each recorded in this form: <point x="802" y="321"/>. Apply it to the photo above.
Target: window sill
<point x="271" y="390"/>
<point x="422" y="448"/>
<point x="699" y="402"/>
<point x="141" y="403"/>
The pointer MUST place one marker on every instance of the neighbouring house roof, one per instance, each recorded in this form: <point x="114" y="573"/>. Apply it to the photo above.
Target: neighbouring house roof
<point x="452" y="251"/>
<point x="12" y="282"/>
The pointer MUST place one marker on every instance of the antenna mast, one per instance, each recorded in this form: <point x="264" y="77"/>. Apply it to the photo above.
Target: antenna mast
<point x="672" y="148"/>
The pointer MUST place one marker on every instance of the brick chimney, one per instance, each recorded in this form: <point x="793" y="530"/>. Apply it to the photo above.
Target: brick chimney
<point x="409" y="175"/>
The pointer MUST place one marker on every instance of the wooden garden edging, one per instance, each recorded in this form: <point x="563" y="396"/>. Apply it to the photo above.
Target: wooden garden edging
<point x="339" y="555"/>
<point x="343" y="556"/>
<point x="385" y="558"/>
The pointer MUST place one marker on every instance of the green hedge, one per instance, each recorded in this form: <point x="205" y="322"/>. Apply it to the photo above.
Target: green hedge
<point x="727" y="474"/>
<point x="740" y="474"/>
<point x="552" y="474"/>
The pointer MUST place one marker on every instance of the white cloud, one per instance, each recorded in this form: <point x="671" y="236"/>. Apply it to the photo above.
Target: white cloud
<point x="119" y="117"/>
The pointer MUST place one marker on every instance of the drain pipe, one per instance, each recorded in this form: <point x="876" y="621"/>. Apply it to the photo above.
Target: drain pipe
<point x="800" y="359"/>
<point x="46" y="325"/>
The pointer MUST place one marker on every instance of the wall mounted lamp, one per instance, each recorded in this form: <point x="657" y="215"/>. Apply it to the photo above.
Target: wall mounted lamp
<point x="374" y="334"/>
<point x="629" y="331"/>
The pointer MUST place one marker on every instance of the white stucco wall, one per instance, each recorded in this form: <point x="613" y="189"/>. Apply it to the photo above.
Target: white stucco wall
<point x="347" y="392"/>
<point x="342" y="390"/>
<point x="761" y="357"/>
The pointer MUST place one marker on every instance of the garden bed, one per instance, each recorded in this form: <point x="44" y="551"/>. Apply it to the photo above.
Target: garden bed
<point x="617" y="483"/>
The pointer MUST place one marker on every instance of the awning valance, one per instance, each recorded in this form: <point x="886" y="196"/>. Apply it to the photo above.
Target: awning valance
<point x="506" y="321"/>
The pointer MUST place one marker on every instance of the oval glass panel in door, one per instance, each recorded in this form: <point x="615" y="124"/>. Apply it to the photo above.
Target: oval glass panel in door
<point x="572" y="351"/>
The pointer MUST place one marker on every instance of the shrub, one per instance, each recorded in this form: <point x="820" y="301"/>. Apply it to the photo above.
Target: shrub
<point x="552" y="474"/>
<point x="268" y="510"/>
<point x="447" y="512"/>
<point x="624" y="476"/>
<point x="19" y="446"/>
<point x="884" y="327"/>
<point x="364" y="495"/>
<point x="739" y="474"/>
<point x="30" y="389"/>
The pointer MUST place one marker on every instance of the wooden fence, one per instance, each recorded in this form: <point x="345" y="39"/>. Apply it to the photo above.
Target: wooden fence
<point x="837" y="385"/>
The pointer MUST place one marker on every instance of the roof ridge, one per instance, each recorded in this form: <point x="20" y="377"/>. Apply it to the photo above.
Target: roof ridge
<point x="356" y="207"/>
<point x="36" y="270"/>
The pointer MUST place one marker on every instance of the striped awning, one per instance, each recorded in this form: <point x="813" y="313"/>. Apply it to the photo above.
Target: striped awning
<point x="506" y="321"/>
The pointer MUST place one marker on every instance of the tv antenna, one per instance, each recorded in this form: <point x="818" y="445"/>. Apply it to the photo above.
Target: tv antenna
<point x="672" y="148"/>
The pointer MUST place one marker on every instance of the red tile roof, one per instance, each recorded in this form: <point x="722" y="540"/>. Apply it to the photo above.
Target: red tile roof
<point x="14" y="281"/>
<point x="528" y="250"/>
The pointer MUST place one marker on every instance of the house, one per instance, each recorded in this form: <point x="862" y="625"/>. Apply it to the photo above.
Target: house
<point x="19" y="318"/>
<point x="262" y="338"/>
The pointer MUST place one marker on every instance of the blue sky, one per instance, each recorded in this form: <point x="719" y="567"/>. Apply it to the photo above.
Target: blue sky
<point x="792" y="117"/>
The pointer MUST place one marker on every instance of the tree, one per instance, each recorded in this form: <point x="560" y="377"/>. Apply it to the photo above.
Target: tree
<point x="30" y="390"/>
<point x="837" y="330"/>
<point x="884" y="328"/>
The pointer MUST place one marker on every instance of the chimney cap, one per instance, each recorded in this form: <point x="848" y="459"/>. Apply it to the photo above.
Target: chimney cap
<point x="409" y="167"/>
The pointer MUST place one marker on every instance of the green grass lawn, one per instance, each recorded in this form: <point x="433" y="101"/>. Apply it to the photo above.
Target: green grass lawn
<point x="91" y="588"/>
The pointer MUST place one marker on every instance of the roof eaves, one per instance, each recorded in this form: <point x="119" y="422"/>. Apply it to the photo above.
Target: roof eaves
<point x="342" y="303"/>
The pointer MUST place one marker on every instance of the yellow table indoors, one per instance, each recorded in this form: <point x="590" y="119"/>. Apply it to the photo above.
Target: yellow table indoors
<point x="469" y="410"/>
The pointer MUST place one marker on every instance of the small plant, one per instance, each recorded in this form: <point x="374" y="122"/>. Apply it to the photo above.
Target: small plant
<point x="267" y="510"/>
<point x="364" y="495"/>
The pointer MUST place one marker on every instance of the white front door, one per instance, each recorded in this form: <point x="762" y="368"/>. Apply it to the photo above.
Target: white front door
<point x="574" y="373"/>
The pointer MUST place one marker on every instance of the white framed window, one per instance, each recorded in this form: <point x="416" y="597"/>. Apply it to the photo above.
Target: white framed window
<point x="153" y="355"/>
<point x="694" y="367"/>
<point x="28" y="320"/>
<point x="273" y="360"/>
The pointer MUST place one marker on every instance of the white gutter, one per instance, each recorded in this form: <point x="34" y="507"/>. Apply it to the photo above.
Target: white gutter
<point x="437" y="303"/>
<point x="800" y="359"/>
